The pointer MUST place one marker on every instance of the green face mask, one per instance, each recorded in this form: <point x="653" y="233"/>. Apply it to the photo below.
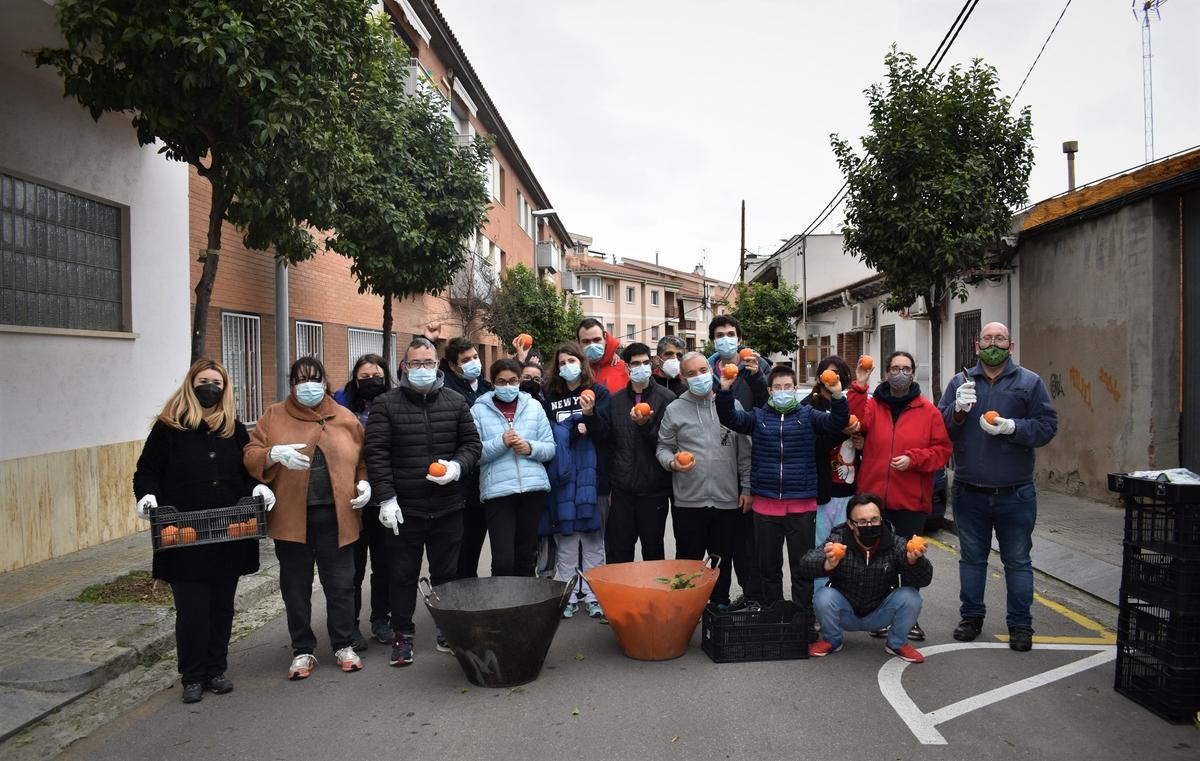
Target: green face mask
<point x="784" y="408"/>
<point x="993" y="355"/>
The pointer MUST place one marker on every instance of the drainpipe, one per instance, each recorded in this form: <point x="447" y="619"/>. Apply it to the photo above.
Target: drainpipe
<point x="1071" y="147"/>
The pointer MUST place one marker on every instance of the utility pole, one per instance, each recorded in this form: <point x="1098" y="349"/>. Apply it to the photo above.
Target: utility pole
<point x="742" y="250"/>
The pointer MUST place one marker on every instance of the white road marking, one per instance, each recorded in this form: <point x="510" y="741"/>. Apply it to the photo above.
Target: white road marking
<point x="923" y="725"/>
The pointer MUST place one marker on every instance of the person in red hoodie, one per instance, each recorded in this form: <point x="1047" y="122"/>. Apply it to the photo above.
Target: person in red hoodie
<point x="906" y="443"/>
<point x="601" y="351"/>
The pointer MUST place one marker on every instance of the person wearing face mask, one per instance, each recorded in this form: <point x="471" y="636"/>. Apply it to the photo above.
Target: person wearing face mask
<point x="531" y="380"/>
<point x="873" y="581"/>
<point x="369" y="378"/>
<point x="783" y="475"/>
<point x="580" y="488"/>
<point x="516" y="442"/>
<point x="640" y="489"/>
<point x="463" y="373"/>
<point x="192" y="460"/>
<point x="600" y="349"/>
<point x="993" y="477"/>
<point x="711" y="492"/>
<point x="666" y="364"/>
<point x="412" y="427"/>
<point x="906" y="444"/>
<point x="309" y="449"/>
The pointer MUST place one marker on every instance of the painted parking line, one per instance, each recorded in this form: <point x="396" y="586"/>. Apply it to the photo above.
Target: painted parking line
<point x="924" y="725"/>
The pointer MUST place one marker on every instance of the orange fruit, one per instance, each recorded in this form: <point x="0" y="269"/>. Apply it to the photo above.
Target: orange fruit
<point x="684" y="458"/>
<point x="169" y="535"/>
<point x="729" y="371"/>
<point x="524" y="340"/>
<point x="865" y="362"/>
<point x="235" y="530"/>
<point x="437" y="470"/>
<point x="642" y="409"/>
<point x="746" y="355"/>
<point x="853" y="420"/>
<point x="588" y="394"/>
<point x="187" y="535"/>
<point x="839" y="550"/>
<point x="251" y="527"/>
<point x="829" y="377"/>
<point x="991" y="416"/>
<point x="916" y="544"/>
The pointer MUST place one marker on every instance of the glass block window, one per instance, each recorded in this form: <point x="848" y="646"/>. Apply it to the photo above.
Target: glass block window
<point x="61" y="259"/>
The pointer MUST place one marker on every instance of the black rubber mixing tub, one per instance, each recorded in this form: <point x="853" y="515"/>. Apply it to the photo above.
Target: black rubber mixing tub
<point x="499" y="628"/>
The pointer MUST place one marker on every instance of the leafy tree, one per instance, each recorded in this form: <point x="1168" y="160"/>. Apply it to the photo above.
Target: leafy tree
<point x="242" y="91"/>
<point x="944" y="167"/>
<point x="526" y="303"/>
<point x="415" y="196"/>
<point x="767" y="313"/>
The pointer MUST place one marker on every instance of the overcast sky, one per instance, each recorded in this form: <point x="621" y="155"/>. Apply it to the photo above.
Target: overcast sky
<point x="647" y="121"/>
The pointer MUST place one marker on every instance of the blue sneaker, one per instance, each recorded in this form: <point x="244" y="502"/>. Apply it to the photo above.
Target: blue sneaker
<point x="569" y="610"/>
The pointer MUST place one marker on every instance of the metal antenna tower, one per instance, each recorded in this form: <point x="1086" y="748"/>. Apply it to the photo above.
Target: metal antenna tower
<point x="1144" y="11"/>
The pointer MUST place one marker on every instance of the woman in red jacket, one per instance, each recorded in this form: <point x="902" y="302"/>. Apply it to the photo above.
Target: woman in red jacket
<point x="906" y="443"/>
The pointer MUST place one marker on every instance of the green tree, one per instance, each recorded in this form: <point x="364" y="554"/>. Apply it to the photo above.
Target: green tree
<point x="242" y="91"/>
<point x="415" y="197"/>
<point x="767" y="313"/>
<point x="526" y="303"/>
<point x="944" y="166"/>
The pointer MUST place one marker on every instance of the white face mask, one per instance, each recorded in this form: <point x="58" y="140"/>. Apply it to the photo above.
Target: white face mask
<point x="670" y="368"/>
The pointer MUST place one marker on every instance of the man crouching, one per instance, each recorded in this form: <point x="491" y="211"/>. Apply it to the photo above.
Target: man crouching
<point x="873" y="581"/>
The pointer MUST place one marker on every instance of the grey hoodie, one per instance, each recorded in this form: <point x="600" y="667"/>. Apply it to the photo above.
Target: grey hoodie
<point x="722" y="471"/>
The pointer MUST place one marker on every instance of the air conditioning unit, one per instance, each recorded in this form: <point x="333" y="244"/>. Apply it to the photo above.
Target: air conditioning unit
<point x="918" y="311"/>
<point x="862" y="318"/>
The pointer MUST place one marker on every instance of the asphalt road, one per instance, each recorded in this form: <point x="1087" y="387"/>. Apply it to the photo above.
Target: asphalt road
<point x="591" y="702"/>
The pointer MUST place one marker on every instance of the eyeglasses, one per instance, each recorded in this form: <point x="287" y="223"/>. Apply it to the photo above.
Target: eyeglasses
<point x="865" y="522"/>
<point x="530" y="378"/>
<point x="901" y="370"/>
<point x="420" y="364"/>
<point x="512" y="382"/>
<point x="1000" y="341"/>
<point x="783" y="388"/>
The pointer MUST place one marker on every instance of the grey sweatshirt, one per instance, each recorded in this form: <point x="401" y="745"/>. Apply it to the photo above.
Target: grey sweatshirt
<point x="722" y="471"/>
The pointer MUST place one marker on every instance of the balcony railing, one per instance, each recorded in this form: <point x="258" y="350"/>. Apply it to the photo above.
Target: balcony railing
<point x="474" y="283"/>
<point x="687" y="324"/>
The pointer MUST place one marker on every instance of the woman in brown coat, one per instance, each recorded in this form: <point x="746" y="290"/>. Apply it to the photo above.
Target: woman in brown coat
<point x="308" y="448"/>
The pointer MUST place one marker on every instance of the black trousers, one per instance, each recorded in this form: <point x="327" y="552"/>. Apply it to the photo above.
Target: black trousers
<point x="203" y="622"/>
<point x="799" y="531"/>
<point x="512" y="524"/>
<point x="474" y="532"/>
<point x="371" y="541"/>
<point x="906" y="523"/>
<point x="335" y="565"/>
<point x="706" y="529"/>
<point x="440" y="538"/>
<point x="745" y="558"/>
<point x="633" y="518"/>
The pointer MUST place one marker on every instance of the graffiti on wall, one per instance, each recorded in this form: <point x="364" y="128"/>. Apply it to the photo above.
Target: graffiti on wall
<point x="1083" y="387"/>
<point x="1110" y="383"/>
<point x="1056" y="387"/>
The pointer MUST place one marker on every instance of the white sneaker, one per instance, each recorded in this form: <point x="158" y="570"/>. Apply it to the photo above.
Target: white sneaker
<point x="302" y="666"/>
<point x="348" y="659"/>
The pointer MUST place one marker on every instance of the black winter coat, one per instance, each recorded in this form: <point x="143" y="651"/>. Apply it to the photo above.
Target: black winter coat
<point x="866" y="579"/>
<point x="824" y="448"/>
<point x="196" y="470"/>
<point x="407" y="432"/>
<point x="633" y="465"/>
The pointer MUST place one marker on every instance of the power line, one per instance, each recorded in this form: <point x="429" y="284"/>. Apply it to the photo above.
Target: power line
<point x="955" y="37"/>
<point x="1043" y="50"/>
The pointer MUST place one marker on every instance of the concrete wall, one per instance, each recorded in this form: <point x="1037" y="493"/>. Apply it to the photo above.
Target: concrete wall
<point x="1100" y="322"/>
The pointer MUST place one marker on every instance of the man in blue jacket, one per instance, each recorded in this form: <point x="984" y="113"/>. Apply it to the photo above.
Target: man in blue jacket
<point x="993" y="477"/>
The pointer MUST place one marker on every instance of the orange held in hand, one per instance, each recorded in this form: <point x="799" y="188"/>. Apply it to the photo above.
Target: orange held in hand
<point x="437" y="470"/>
<point x="187" y="535"/>
<point x="524" y="340"/>
<point x="990" y="416"/>
<point x="839" y="550"/>
<point x="865" y="362"/>
<point x="588" y="394"/>
<point x="684" y="459"/>
<point x="829" y="377"/>
<point x="169" y="535"/>
<point x="729" y="371"/>
<point x="853" y="420"/>
<point x="746" y="355"/>
<point x="916" y="544"/>
<point x="642" y="409"/>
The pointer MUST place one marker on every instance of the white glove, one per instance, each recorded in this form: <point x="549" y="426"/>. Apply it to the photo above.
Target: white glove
<point x="1002" y="426"/>
<point x="364" y="495"/>
<point x="390" y="515"/>
<point x="268" y="496"/>
<point x="289" y="457"/>
<point x="144" y="505"/>
<point x="453" y="472"/>
<point x="964" y="397"/>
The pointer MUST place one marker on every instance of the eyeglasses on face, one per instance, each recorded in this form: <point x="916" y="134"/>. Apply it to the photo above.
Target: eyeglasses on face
<point x="1001" y="341"/>
<point x="420" y="364"/>
<point x="901" y="370"/>
<point x="507" y="382"/>
<point x="865" y="522"/>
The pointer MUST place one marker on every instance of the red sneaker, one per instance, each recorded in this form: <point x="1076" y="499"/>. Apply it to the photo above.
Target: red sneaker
<point x="907" y="652"/>
<point x="821" y="648"/>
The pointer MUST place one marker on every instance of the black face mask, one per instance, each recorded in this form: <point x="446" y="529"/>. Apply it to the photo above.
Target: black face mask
<point x="208" y="394"/>
<point x="369" y="388"/>
<point x="868" y="535"/>
<point x="533" y="388"/>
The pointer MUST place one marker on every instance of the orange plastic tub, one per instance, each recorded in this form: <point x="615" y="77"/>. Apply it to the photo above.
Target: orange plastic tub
<point x="652" y="621"/>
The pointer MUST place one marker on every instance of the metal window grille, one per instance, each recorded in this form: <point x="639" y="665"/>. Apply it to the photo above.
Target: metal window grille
<point x="966" y="330"/>
<point x="310" y="340"/>
<point x="61" y="259"/>
<point x="887" y="343"/>
<point x="360" y="342"/>
<point x="241" y="351"/>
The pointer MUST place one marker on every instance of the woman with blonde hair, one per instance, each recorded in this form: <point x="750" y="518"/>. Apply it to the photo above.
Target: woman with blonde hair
<point x="192" y="460"/>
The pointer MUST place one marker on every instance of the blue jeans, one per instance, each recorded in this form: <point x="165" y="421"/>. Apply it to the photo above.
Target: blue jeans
<point x="1011" y="516"/>
<point x="899" y="611"/>
<point x="829" y="515"/>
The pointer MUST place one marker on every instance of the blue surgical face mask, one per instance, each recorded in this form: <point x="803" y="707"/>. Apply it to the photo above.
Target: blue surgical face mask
<point x="310" y="393"/>
<point x="700" y="385"/>
<point x="507" y="393"/>
<point x="639" y="374"/>
<point x="782" y="399"/>
<point x="472" y="369"/>
<point x="569" y="372"/>
<point x="594" y="352"/>
<point x="726" y="345"/>
<point x="422" y="377"/>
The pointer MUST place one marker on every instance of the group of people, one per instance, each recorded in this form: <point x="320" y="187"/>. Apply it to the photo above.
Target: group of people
<point x="590" y="450"/>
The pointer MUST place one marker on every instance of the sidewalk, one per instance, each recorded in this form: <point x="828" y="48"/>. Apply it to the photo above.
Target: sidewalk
<point x="54" y="650"/>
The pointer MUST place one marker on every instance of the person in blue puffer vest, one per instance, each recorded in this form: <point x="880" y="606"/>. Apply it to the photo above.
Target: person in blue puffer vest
<point x="512" y="478"/>
<point x="783" y="474"/>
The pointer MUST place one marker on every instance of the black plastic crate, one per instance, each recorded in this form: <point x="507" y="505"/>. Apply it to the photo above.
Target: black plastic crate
<point x="777" y="633"/>
<point x="1168" y="636"/>
<point x="1161" y="490"/>
<point x="1172" y="693"/>
<point x="1163" y="527"/>
<point x="1165" y="580"/>
<point x="171" y="528"/>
